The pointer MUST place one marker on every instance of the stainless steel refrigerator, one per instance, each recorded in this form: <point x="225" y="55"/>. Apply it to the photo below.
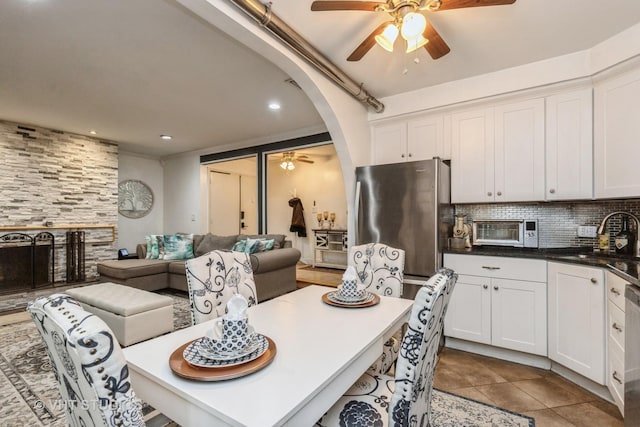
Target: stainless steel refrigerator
<point x="406" y="206"/>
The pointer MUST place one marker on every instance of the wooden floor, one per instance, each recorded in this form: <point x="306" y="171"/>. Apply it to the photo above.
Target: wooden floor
<point x="547" y="397"/>
<point x="306" y="275"/>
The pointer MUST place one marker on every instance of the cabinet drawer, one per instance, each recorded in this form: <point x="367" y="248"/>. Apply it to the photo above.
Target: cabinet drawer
<point x="615" y="289"/>
<point x="615" y="324"/>
<point x="615" y="378"/>
<point x="533" y="270"/>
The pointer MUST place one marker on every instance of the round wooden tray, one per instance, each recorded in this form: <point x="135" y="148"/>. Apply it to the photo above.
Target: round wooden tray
<point x="183" y="369"/>
<point x="374" y="301"/>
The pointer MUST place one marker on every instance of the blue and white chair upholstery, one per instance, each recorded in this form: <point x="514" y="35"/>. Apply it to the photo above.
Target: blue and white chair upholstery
<point x="381" y="268"/>
<point x="88" y="364"/>
<point x="214" y="278"/>
<point x="403" y="400"/>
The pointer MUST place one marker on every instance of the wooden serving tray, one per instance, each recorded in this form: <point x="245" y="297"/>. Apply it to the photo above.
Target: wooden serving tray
<point x="182" y="368"/>
<point x="374" y="301"/>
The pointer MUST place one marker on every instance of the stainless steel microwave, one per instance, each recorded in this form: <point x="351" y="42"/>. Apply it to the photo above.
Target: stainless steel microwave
<point x="519" y="233"/>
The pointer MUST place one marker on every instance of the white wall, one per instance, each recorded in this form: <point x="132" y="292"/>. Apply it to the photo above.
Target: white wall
<point x="149" y="171"/>
<point x="321" y="182"/>
<point x="183" y="190"/>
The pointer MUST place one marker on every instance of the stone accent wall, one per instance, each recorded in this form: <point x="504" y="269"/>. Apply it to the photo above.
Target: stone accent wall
<point x="49" y="176"/>
<point x="558" y="221"/>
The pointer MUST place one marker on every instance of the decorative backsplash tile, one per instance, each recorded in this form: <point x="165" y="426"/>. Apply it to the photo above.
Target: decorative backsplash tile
<point x="558" y="221"/>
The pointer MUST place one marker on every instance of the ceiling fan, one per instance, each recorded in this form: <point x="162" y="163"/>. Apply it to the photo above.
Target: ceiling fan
<point x="289" y="157"/>
<point x="408" y="21"/>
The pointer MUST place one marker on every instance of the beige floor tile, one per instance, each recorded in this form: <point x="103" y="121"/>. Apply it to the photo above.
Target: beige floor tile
<point x="510" y="397"/>
<point x="551" y="392"/>
<point x="514" y="371"/>
<point x="608" y="408"/>
<point x="449" y="379"/>
<point x="548" y="418"/>
<point x="586" y="414"/>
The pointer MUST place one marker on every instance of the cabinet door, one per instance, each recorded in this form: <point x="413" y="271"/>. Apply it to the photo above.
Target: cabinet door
<point x="569" y="152"/>
<point x="425" y="138"/>
<point x="472" y="156"/>
<point x="577" y="319"/>
<point x="616" y="129"/>
<point x="519" y="315"/>
<point x="469" y="313"/>
<point x="519" y="151"/>
<point x="389" y="143"/>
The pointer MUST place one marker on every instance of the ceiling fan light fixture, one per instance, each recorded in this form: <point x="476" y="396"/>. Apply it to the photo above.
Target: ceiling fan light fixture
<point x="416" y="43"/>
<point x="387" y="38"/>
<point x="413" y="25"/>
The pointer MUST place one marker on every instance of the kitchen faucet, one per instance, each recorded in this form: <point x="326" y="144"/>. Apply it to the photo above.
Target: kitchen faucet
<point x="636" y="251"/>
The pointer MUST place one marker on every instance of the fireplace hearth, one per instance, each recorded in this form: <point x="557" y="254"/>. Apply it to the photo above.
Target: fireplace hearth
<point x="26" y="262"/>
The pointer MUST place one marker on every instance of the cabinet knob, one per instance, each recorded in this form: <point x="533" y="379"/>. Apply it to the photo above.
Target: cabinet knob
<point x="409" y="154"/>
<point x="552" y="191"/>
<point x="594" y="280"/>
<point x="499" y="193"/>
<point x="616" y="327"/>
<point x="402" y="155"/>
<point x="495" y="288"/>
<point x="615" y="291"/>
<point x="485" y="286"/>
<point x="615" y="377"/>
<point x="489" y="194"/>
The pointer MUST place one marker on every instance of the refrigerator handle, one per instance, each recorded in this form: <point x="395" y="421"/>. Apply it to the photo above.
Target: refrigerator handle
<point x="356" y="214"/>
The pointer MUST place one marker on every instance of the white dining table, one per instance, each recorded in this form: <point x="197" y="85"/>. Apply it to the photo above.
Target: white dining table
<point x="321" y="351"/>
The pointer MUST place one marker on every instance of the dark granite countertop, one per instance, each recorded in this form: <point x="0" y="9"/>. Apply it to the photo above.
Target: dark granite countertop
<point x="626" y="267"/>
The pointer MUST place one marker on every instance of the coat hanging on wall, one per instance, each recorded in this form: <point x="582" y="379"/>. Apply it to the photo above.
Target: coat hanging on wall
<point x="297" y="219"/>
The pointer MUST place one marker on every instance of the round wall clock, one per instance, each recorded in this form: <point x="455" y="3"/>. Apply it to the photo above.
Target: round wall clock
<point x="135" y="198"/>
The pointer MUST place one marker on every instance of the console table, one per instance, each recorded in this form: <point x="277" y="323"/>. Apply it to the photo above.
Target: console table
<point x="330" y="248"/>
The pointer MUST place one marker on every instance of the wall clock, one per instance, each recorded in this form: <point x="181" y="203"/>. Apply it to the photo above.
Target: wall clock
<point x="135" y="198"/>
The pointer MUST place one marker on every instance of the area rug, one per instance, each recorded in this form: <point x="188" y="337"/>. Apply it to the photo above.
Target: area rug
<point x="28" y="388"/>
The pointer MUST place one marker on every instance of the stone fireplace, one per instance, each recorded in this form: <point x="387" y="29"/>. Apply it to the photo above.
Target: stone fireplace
<point x="61" y="185"/>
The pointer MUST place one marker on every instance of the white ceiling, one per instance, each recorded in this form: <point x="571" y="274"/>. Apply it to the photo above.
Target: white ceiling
<point x="133" y="70"/>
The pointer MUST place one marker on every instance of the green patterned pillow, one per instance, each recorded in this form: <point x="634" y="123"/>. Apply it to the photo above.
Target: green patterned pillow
<point x="178" y="246"/>
<point x="155" y="246"/>
<point x="264" y="245"/>
<point x="248" y="246"/>
<point x="239" y="246"/>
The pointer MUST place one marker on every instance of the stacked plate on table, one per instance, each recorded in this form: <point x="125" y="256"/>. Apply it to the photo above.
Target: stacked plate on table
<point x="339" y="298"/>
<point x="201" y="354"/>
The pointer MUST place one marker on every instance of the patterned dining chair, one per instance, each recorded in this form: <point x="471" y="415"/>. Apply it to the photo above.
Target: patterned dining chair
<point x="88" y="363"/>
<point x="214" y="278"/>
<point x="403" y="400"/>
<point x="381" y="268"/>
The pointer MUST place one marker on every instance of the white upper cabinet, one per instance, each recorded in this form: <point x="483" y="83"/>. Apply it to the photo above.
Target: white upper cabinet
<point x="569" y="150"/>
<point x="497" y="153"/>
<point x="413" y="139"/>
<point x="472" y="156"/>
<point x="617" y="136"/>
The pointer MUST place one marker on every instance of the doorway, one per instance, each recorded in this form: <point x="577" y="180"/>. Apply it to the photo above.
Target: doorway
<point x="233" y="192"/>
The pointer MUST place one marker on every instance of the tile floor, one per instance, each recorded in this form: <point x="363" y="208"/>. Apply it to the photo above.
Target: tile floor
<point x="547" y="397"/>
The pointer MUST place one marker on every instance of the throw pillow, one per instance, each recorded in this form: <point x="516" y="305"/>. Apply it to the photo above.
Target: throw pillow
<point x="178" y="246"/>
<point x="154" y="250"/>
<point x="278" y="239"/>
<point x="212" y="242"/>
<point x="265" y="245"/>
<point x="239" y="246"/>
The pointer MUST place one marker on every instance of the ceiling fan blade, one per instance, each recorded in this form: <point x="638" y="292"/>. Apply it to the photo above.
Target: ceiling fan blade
<point x="304" y="161"/>
<point x="367" y="43"/>
<point x="459" y="4"/>
<point x="436" y="47"/>
<point x="368" y="6"/>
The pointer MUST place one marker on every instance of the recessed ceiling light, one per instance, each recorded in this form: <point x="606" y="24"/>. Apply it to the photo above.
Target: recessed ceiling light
<point x="93" y="132"/>
<point x="166" y="137"/>
<point x="274" y="106"/>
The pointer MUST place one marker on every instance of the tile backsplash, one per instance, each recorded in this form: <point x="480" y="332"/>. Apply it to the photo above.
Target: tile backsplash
<point x="558" y="221"/>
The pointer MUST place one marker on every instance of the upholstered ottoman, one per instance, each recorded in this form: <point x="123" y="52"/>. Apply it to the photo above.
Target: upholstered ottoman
<point x="133" y="315"/>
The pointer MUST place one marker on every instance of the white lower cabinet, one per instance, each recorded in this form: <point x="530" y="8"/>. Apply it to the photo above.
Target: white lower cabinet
<point x="577" y="319"/>
<point x="491" y="304"/>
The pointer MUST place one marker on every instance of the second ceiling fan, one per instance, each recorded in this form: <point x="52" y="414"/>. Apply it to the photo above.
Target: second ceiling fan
<point x="408" y="21"/>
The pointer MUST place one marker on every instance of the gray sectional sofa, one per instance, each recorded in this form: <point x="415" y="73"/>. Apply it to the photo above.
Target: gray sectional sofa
<point x="274" y="271"/>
